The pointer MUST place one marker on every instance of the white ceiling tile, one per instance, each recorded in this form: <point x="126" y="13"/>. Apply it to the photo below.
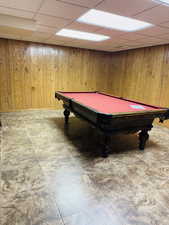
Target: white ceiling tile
<point x="130" y="48"/>
<point x="118" y="41"/>
<point x="94" y="44"/>
<point x="165" y="37"/>
<point x="148" y="45"/>
<point x="143" y="45"/>
<point x="46" y="29"/>
<point x="27" y="38"/>
<point x="119" y="49"/>
<point x="110" y="32"/>
<point x="82" y="26"/>
<point x="14" y="31"/>
<point x="106" y="43"/>
<point x="51" y="20"/>
<point x="154" y="31"/>
<point x="149" y="40"/>
<point x="57" y="40"/>
<point x="88" y="46"/>
<point x="32" y="39"/>
<point x="54" y="42"/>
<point x="105" y="49"/>
<point x="58" y="14"/>
<point x="135" y="43"/>
<point x="37" y="37"/>
<point x="166" y="24"/>
<point x="86" y="3"/>
<point x="132" y="36"/>
<point x="74" y="44"/>
<point x="126" y="7"/>
<point x="29" y="5"/>
<point x="155" y="15"/>
<point x="60" y="9"/>
<point x="162" y="42"/>
<point x="16" y="12"/>
<point x="41" y="35"/>
<point x="17" y="22"/>
<point x="63" y="39"/>
<point x="10" y="36"/>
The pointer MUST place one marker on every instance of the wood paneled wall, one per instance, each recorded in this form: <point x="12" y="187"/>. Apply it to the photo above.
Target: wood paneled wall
<point x="30" y="73"/>
<point x="140" y="74"/>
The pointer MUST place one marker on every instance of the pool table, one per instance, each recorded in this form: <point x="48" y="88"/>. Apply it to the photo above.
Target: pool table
<point x="112" y="115"/>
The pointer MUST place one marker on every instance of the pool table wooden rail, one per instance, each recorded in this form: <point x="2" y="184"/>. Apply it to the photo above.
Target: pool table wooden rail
<point x="160" y="112"/>
<point x="109" y="124"/>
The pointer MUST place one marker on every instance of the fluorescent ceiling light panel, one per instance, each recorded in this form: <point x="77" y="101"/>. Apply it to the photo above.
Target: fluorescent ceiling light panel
<point x="112" y="21"/>
<point x="81" y="35"/>
<point x="165" y="2"/>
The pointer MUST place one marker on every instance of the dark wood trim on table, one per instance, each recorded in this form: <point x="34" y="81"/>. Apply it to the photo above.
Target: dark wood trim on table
<point x="109" y="124"/>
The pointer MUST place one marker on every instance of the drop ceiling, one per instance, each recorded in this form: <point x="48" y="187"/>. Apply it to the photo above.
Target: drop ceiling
<point x="50" y="16"/>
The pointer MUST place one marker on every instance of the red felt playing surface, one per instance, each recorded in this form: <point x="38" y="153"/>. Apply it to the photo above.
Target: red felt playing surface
<point x="107" y="104"/>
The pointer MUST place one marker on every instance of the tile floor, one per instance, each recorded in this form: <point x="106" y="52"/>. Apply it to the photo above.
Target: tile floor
<point x="52" y="175"/>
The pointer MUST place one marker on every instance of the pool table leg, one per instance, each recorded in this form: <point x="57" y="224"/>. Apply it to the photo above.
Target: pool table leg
<point x="66" y="114"/>
<point x="143" y="137"/>
<point x="105" y="149"/>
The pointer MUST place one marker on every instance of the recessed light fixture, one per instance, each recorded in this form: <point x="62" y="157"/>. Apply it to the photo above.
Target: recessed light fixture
<point x="82" y="35"/>
<point x="112" y="21"/>
<point x="165" y="2"/>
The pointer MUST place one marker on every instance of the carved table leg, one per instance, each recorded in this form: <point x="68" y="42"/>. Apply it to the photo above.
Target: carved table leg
<point x="105" y="149"/>
<point x="66" y="114"/>
<point x="143" y="137"/>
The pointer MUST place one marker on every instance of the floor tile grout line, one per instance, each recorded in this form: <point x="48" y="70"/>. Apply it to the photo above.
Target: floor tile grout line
<point x="31" y="143"/>
<point x="74" y="162"/>
<point x="107" y="187"/>
<point x="57" y="207"/>
<point x="3" y="152"/>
